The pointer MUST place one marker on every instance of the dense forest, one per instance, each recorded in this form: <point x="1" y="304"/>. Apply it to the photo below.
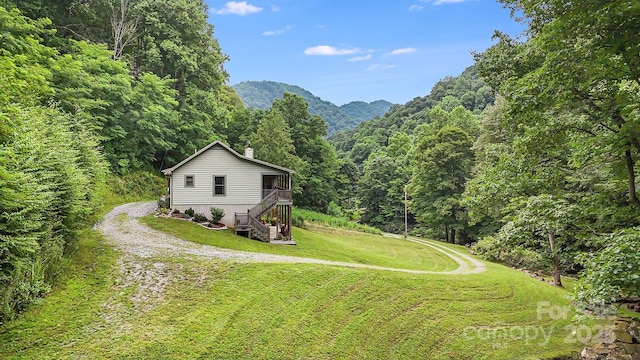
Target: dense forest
<point x="261" y="94"/>
<point x="531" y="153"/>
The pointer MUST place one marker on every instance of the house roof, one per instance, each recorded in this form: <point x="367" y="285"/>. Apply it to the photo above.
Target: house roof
<point x="170" y="170"/>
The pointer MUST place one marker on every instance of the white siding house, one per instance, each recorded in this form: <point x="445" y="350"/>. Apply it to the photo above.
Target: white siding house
<point x="217" y="176"/>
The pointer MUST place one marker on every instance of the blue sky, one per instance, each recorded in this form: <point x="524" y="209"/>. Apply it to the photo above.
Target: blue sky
<point x="347" y="50"/>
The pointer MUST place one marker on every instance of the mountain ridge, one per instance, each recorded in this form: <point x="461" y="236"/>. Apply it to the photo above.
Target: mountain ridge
<point x="260" y="95"/>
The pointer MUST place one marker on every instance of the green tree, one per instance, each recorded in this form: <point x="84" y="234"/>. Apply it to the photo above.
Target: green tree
<point x="569" y="127"/>
<point x="373" y="190"/>
<point x="442" y="165"/>
<point x="581" y="60"/>
<point x="50" y="169"/>
<point x="150" y="123"/>
<point x="90" y="84"/>
<point x="272" y="143"/>
<point x="320" y="163"/>
<point x="305" y="129"/>
<point x="243" y="122"/>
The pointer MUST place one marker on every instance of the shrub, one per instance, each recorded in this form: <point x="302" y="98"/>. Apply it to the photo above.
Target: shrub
<point x="164" y="203"/>
<point x="216" y="215"/>
<point x="493" y="249"/>
<point x="176" y="211"/>
<point x="520" y="258"/>
<point x="199" y="217"/>
<point x="190" y="212"/>
<point x="611" y="273"/>
<point x="489" y="248"/>
<point x="297" y="220"/>
<point x="334" y="210"/>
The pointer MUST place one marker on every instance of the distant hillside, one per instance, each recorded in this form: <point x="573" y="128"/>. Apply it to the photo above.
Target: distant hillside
<point x="362" y="111"/>
<point x="260" y="95"/>
<point x="467" y="90"/>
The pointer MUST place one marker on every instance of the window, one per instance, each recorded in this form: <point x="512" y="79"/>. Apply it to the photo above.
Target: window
<point x="219" y="185"/>
<point x="189" y="181"/>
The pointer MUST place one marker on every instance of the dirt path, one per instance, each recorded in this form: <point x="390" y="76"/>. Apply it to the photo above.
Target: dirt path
<point x="126" y="233"/>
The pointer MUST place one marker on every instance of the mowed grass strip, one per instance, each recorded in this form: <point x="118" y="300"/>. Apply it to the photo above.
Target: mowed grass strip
<point x="213" y="309"/>
<point x="325" y="244"/>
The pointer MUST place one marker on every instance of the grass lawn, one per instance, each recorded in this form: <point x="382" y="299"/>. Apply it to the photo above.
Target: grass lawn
<point x="326" y="244"/>
<point x="213" y="309"/>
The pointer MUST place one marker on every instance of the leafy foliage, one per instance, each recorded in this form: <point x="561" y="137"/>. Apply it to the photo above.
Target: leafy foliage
<point x="199" y="218"/>
<point x="611" y="272"/>
<point x="442" y="165"/>
<point x="216" y="215"/>
<point x="559" y="154"/>
<point x="51" y="173"/>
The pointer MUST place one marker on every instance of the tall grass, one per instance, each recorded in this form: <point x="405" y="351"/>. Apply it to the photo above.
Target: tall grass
<point x="301" y="215"/>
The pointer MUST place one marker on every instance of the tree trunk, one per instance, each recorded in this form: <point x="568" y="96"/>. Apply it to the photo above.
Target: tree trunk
<point x="633" y="197"/>
<point x="123" y="28"/>
<point x="453" y="236"/>
<point x="446" y="234"/>
<point x="556" y="261"/>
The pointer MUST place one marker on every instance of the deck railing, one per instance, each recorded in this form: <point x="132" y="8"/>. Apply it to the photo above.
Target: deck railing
<point x="281" y="195"/>
<point x="261" y="231"/>
<point x="253" y="215"/>
<point x="264" y="205"/>
<point x="242" y="219"/>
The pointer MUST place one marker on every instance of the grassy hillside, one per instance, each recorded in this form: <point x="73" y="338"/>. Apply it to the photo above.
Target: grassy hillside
<point x="327" y="244"/>
<point x="113" y="306"/>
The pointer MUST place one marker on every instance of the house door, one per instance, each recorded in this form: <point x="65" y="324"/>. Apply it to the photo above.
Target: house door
<point x="269" y="183"/>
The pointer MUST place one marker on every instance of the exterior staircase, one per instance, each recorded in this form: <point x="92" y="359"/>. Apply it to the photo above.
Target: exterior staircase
<point x="250" y="221"/>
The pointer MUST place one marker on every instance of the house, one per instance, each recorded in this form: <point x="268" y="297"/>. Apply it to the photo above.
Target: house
<point x="248" y="190"/>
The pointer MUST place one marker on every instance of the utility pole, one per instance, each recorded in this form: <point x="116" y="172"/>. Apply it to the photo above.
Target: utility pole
<point x="405" y="213"/>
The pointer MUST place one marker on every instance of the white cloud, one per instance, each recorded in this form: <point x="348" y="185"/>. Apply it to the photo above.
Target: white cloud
<point x="415" y="7"/>
<point x="277" y="32"/>
<point x="402" y="51"/>
<point x="275" y="8"/>
<point x="361" y="58"/>
<point x="380" y="67"/>
<point x="329" y="50"/>
<point x="237" y="8"/>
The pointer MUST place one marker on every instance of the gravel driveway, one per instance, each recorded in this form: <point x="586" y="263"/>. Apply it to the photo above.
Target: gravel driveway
<point x="122" y="229"/>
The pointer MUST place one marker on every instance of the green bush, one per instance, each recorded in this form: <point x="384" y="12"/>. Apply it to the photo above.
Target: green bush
<point x="611" y="273"/>
<point x="199" y="217"/>
<point x="190" y="212"/>
<point x="334" y="210"/>
<point x="50" y="184"/>
<point x="216" y="215"/>
<point x="492" y="249"/>
<point x="489" y="248"/>
<point x="297" y="220"/>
